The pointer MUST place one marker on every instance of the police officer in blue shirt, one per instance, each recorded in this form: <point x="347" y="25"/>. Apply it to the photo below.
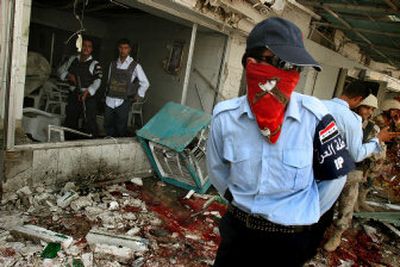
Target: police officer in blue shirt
<point x="275" y="155"/>
<point x="350" y="127"/>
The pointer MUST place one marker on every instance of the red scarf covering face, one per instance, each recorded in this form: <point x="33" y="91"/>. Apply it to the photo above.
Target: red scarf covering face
<point x="268" y="92"/>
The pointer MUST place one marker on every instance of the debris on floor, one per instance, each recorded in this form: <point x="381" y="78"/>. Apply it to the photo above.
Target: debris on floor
<point x="373" y="239"/>
<point x="149" y="223"/>
<point x="36" y="233"/>
<point x="136" y="223"/>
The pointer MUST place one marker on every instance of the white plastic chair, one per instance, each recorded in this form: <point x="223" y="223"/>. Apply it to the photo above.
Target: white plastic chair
<point x="56" y="96"/>
<point x="36" y="97"/>
<point x="137" y="109"/>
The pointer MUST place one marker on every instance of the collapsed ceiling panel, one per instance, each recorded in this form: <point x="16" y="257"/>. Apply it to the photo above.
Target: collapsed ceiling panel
<point x="374" y="25"/>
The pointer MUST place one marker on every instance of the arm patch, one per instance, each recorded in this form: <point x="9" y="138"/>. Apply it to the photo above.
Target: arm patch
<point x="331" y="158"/>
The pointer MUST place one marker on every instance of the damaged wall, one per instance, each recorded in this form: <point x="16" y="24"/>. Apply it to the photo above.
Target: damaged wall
<point x="344" y="47"/>
<point x="55" y="164"/>
<point x="298" y="17"/>
<point x="385" y="68"/>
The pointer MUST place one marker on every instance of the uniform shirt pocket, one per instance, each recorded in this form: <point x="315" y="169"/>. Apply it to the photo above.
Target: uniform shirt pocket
<point x="297" y="165"/>
<point x="244" y="166"/>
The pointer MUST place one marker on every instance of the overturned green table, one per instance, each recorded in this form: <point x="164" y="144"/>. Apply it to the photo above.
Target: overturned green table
<point x="175" y="141"/>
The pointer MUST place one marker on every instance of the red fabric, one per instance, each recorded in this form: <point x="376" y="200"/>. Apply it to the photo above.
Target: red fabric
<point x="267" y="109"/>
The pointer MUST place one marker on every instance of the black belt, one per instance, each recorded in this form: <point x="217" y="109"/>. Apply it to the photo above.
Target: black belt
<point x="256" y="222"/>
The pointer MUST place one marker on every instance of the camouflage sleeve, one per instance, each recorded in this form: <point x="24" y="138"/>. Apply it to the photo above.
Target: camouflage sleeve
<point x="380" y="121"/>
<point x="377" y="160"/>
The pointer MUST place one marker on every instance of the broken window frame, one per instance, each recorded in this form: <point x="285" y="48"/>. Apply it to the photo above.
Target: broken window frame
<point x="174" y="61"/>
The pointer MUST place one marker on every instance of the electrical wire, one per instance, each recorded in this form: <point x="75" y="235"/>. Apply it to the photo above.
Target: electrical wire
<point x="80" y="18"/>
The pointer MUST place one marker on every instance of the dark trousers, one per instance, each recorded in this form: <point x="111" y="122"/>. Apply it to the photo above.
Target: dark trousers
<point x="75" y="110"/>
<point x="319" y="229"/>
<point x="241" y="246"/>
<point x="116" y="120"/>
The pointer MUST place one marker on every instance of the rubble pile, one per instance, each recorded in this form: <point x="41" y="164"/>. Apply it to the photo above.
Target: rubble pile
<point x="145" y="222"/>
<point x="365" y="244"/>
<point x="127" y="224"/>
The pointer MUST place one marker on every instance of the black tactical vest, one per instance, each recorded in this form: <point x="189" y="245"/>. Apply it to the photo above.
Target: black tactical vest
<point x="120" y="85"/>
<point x="84" y="77"/>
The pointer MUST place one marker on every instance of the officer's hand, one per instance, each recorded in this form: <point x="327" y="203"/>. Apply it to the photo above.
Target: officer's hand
<point x="384" y="135"/>
<point x="137" y="98"/>
<point x="85" y="94"/>
<point x="71" y="78"/>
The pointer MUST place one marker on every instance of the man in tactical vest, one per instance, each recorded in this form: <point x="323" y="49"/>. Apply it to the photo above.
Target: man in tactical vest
<point x="84" y="75"/>
<point x="126" y="81"/>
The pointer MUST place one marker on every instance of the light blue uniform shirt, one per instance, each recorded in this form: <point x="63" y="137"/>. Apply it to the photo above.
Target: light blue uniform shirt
<point x="275" y="181"/>
<point x="350" y="127"/>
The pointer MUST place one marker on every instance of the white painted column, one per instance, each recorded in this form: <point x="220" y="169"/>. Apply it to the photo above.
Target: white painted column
<point x="9" y="121"/>
<point x="5" y="25"/>
<point x="189" y="64"/>
<point x="20" y="39"/>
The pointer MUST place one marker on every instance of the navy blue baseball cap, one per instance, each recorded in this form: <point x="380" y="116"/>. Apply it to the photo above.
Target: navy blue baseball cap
<point x="284" y="39"/>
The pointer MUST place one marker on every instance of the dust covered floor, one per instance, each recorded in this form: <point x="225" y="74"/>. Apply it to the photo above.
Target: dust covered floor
<point x="170" y="228"/>
<point x="167" y="228"/>
<point x="370" y="242"/>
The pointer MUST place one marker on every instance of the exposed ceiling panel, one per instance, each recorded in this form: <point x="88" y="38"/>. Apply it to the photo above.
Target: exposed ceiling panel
<point x="374" y="25"/>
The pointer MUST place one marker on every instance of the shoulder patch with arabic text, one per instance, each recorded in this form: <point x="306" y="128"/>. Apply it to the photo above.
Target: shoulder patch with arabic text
<point x="331" y="157"/>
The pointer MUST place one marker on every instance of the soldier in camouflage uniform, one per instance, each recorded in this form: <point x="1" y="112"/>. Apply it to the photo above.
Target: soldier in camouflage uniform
<point x="350" y="193"/>
<point x="390" y="117"/>
<point x="372" y="166"/>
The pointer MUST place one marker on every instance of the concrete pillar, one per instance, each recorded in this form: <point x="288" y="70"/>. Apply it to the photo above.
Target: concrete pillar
<point x="20" y="54"/>
<point x="232" y="69"/>
<point x="309" y="82"/>
<point x="20" y="39"/>
<point x="4" y="45"/>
